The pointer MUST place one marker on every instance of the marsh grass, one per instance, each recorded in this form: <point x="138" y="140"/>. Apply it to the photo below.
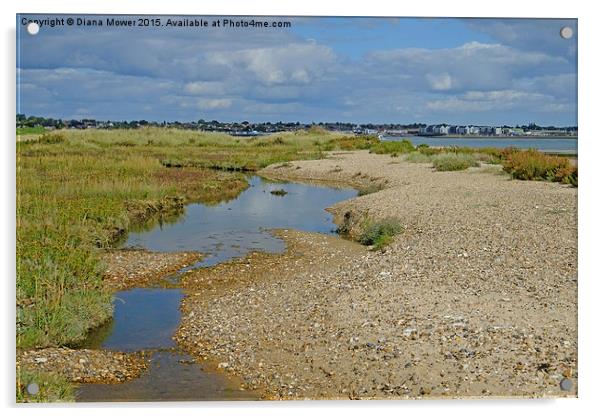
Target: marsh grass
<point x="53" y="387"/>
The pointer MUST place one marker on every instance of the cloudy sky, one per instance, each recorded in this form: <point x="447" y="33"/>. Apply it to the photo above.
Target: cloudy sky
<point x="479" y="71"/>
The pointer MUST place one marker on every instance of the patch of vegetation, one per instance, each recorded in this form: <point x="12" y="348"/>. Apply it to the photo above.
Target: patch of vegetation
<point x="379" y="233"/>
<point x="278" y="192"/>
<point x="30" y="130"/>
<point x="453" y="161"/>
<point x="315" y="129"/>
<point x="397" y="147"/>
<point x="534" y="165"/>
<point x="491" y="155"/>
<point x="418" y="157"/>
<point x="52" y="387"/>
<point x="354" y="142"/>
<point x="51" y="138"/>
<point x="370" y="189"/>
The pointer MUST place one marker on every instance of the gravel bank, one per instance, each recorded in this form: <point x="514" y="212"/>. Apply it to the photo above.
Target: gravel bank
<point x="126" y="269"/>
<point x="477" y="297"/>
<point x="84" y="366"/>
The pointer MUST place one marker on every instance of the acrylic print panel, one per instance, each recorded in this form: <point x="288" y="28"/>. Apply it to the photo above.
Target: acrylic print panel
<point x="266" y="208"/>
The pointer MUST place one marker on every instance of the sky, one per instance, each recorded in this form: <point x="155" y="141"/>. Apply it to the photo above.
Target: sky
<point x="360" y="70"/>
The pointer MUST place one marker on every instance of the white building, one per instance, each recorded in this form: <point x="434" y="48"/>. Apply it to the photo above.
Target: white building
<point x="442" y="129"/>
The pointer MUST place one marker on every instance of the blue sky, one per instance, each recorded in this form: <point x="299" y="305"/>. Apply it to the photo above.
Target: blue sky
<point x="381" y="70"/>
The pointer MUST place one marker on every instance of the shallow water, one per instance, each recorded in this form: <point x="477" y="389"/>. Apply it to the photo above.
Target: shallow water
<point x="232" y="229"/>
<point x="142" y="319"/>
<point x="172" y="376"/>
<point x="561" y="144"/>
<point x="145" y="319"/>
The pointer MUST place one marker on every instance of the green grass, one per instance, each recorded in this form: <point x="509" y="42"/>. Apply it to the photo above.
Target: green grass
<point x="81" y="190"/>
<point x="393" y="148"/>
<point x="418" y="157"/>
<point x="453" y="161"/>
<point x="30" y="130"/>
<point x="52" y="387"/>
<point x="379" y="233"/>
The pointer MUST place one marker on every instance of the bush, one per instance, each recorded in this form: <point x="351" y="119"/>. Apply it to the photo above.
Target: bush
<point x="380" y="233"/>
<point x="404" y="146"/>
<point x="567" y="175"/>
<point x="533" y="165"/>
<point x="454" y="161"/>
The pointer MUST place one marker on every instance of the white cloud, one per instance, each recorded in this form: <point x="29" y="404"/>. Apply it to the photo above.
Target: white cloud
<point x="440" y="82"/>
<point x="204" y="88"/>
<point x="498" y="100"/>
<point x="214" y="104"/>
<point x="299" y="63"/>
<point x="473" y="65"/>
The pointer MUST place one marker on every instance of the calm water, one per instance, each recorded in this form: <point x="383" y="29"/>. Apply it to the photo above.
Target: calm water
<point x="560" y="145"/>
<point x="142" y="319"/>
<point x="232" y="229"/>
<point x="145" y="319"/>
<point x="172" y="376"/>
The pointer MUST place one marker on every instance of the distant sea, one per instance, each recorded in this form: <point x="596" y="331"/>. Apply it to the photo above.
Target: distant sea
<point x="545" y="144"/>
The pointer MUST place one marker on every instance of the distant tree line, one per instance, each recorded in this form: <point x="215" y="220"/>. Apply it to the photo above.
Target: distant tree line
<point x="243" y="126"/>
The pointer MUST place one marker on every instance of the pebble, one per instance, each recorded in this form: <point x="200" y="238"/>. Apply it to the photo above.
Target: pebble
<point x="100" y="366"/>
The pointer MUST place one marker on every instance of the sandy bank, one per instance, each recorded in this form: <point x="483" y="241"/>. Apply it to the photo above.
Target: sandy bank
<point x="477" y="297"/>
<point x="126" y="269"/>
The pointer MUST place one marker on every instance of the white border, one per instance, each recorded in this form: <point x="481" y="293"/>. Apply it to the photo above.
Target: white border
<point x="590" y="141"/>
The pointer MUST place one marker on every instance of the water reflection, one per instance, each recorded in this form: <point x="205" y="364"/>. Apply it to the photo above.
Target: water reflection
<point x="233" y="228"/>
